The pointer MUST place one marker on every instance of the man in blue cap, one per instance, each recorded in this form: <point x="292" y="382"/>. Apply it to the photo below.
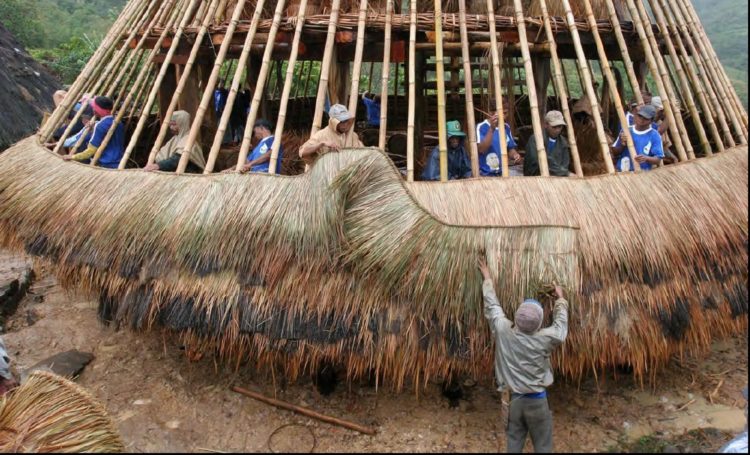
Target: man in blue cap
<point x="522" y="352"/>
<point x="646" y="140"/>
<point x="459" y="166"/>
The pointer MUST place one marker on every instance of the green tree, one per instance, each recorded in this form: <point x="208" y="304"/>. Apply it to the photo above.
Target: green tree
<point x="21" y="18"/>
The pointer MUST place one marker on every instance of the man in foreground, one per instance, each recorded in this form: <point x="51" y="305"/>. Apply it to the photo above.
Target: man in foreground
<point x="522" y="352"/>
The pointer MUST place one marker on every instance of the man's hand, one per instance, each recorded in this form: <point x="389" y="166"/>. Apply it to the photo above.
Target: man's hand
<point x="67" y="157"/>
<point x="484" y="269"/>
<point x="647" y="159"/>
<point x="559" y="292"/>
<point x="151" y="167"/>
<point x="245" y="168"/>
<point x="623" y="138"/>
<point x="493" y="120"/>
<point x="331" y="145"/>
<point x="515" y="157"/>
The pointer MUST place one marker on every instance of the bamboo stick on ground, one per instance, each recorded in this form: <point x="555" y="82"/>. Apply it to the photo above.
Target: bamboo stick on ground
<point x="561" y="89"/>
<point x="442" y="139"/>
<point x="498" y="91"/>
<point x="589" y="89"/>
<point x="183" y="81"/>
<point x="262" y="78"/>
<point x="208" y="92"/>
<point x="232" y="95"/>
<point x="412" y="108"/>
<point x="531" y="86"/>
<point x="471" y="123"/>
<point x="325" y="68"/>
<point x="384" y="73"/>
<point x="288" y="86"/>
<point x="685" y="85"/>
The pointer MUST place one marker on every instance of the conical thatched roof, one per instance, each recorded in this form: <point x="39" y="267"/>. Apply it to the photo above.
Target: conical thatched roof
<point x="26" y="89"/>
<point x="351" y="263"/>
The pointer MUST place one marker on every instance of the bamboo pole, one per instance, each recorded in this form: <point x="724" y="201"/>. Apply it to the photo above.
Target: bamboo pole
<point x="232" y="95"/>
<point x="358" y="52"/>
<point x="325" y="68"/>
<point x="140" y="97"/>
<point x="627" y="61"/>
<point x="262" y="77"/>
<point x="562" y="93"/>
<point x="716" y="78"/>
<point x="187" y="69"/>
<point x="412" y="108"/>
<point x="589" y="89"/>
<point x="369" y="81"/>
<point x="98" y="81"/>
<point x="208" y="92"/>
<point x="672" y="97"/>
<point x="76" y="89"/>
<point x="697" y="85"/>
<point x="288" y="84"/>
<point x="159" y="78"/>
<point x="498" y="90"/>
<point x="702" y="70"/>
<point x="611" y="83"/>
<point x="439" y="69"/>
<point x="531" y="85"/>
<point x="471" y="122"/>
<point x="654" y="68"/>
<point x="685" y="85"/>
<point x="385" y="72"/>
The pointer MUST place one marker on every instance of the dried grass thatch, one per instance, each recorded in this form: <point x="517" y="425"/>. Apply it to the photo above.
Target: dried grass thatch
<point x="349" y="263"/>
<point x="48" y="413"/>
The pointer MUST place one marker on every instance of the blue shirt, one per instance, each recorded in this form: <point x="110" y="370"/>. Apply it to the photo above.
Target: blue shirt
<point x="261" y="149"/>
<point x="490" y="163"/>
<point x="220" y="99"/>
<point x="646" y="143"/>
<point x="115" y="148"/>
<point x="373" y="111"/>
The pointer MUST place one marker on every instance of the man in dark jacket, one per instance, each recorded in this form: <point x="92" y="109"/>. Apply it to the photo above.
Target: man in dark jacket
<point x="558" y="150"/>
<point x="459" y="166"/>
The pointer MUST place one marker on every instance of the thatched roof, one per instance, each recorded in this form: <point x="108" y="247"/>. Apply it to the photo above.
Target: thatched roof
<point x="350" y="263"/>
<point x="26" y="89"/>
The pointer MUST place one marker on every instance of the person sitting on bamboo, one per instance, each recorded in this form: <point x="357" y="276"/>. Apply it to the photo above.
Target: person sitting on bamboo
<point x="522" y="353"/>
<point x="86" y="119"/>
<point x="488" y="145"/>
<point x="646" y="140"/>
<point x="112" y="153"/>
<point x="372" y="105"/>
<point x="259" y="159"/>
<point x="662" y="126"/>
<point x="558" y="150"/>
<point x="169" y="155"/>
<point x="459" y="166"/>
<point x="336" y="136"/>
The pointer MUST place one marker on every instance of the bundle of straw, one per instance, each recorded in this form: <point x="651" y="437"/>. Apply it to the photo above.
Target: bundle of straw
<point x="48" y="413"/>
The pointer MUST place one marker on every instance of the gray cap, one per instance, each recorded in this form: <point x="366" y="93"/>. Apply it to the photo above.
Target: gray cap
<point x="657" y="103"/>
<point x="339" y="112"/>
<point x="648" y="111"/>
<point x="554" y="118"/>
<point x="529" y="316"/>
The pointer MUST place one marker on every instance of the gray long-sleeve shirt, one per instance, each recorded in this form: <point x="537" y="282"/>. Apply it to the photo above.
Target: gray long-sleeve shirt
<point x="522" y="361"/>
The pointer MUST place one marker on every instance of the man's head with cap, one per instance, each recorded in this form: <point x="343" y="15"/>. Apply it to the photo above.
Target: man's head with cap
<point x="341" y="114"/>
<point x="102" y="106"/>
<point x="657" y="103"/>
<point x="454" y="133"/>
<point x="645" y="117"/>
<point x="554" y="123"/>
<point x="529" y="316"/>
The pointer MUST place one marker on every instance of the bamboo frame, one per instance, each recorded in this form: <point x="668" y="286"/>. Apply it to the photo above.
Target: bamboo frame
<point x="697" y="85"/>
<point x="685" y="85"/>
<point x="358" y="52"/>
<point x="561" y="90"/>
<point x="627" y="61"/>
<point x="186" y="71"/>
<point x="440" y="74"/>
<point x="589" y="89"/>
<point x="208" y="92"/>
<point x="262" y="76"/>
<point x="531" y="86"/>
<point x="610" y="82"/>
<point x="384" y="75"/>
<point x="290" y="78"/>
<point x="412" y="108"/>
<point x="157" y="82"/>
<point x="232" y="95"/>
<point x="663" y="74"/>
<point x="469" y="91"/>
<point x="498" y="90"/>
<point x="325" y="69"/>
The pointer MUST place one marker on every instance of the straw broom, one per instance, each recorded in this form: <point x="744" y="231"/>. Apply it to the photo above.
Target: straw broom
<point x="440" y="74"/>
<point x="48" y="413"/>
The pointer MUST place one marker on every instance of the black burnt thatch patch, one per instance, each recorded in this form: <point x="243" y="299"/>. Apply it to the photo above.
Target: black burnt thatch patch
<point x="738" y="300"/>
<point x="676" y="321"/>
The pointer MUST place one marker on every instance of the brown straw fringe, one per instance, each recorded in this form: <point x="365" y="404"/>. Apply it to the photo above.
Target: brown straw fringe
<point x="352" y="264"/>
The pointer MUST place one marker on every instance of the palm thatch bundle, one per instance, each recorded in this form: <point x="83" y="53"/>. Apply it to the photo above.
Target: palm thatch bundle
<point x="351" y="264"/>
<point x="48" y="413"/>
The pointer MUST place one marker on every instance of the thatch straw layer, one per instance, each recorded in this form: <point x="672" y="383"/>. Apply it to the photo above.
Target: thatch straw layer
<point x="349" y="263"/>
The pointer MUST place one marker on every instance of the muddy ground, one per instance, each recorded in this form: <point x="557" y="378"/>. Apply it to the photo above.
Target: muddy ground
<point x="161" y="401"/>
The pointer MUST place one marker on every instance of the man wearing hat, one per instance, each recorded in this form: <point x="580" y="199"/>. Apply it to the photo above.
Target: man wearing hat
<point x="336" y="136"/>
<point x="488" y="144"/>
<point x="662" y="125"/>
<point x="646" y="140"/>
<point x="115" y="148"/>
<point x="558" y="150"/>
<point x="522" y="352"/>
<point x="459" y="166"/>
